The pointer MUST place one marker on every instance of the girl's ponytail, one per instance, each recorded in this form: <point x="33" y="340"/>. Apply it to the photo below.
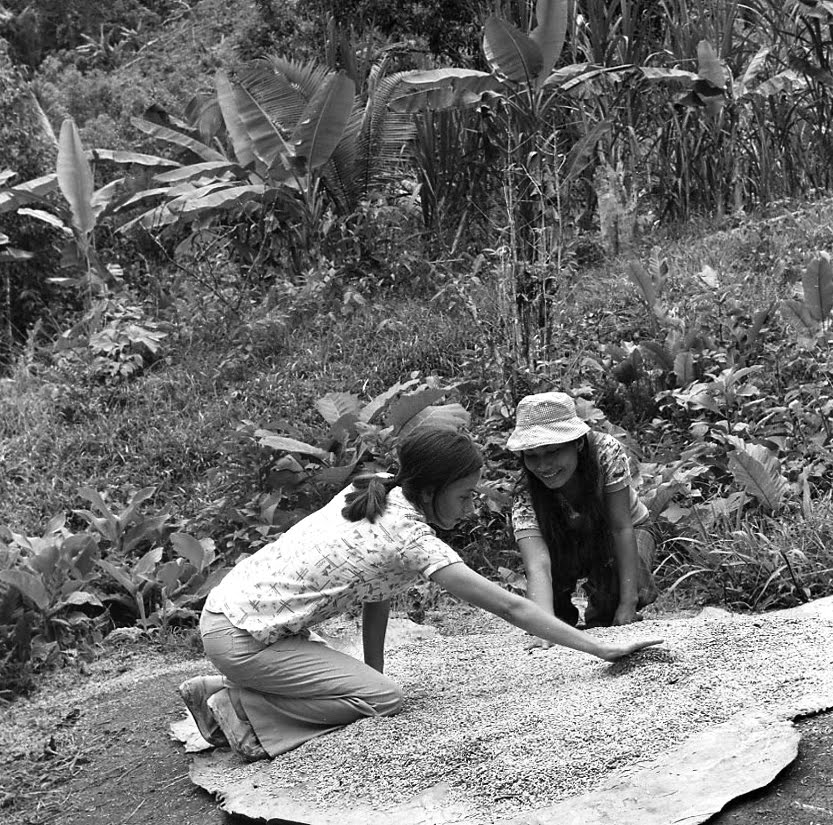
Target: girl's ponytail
<point x="430" y="458"/>
<point x="369" y="497"/>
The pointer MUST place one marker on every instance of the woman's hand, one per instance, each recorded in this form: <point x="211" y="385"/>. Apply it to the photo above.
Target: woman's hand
<point x="536" y="642"/>
<point x="611" y="653"/>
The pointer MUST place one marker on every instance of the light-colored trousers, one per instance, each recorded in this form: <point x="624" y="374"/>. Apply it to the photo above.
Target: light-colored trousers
<point x="294" y="689"/>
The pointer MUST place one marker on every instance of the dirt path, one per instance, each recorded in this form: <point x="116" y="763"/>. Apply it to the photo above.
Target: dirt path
<point x="95" y="750"/>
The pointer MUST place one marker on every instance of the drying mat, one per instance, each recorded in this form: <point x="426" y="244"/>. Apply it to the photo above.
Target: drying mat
<point x="491" y="734"/>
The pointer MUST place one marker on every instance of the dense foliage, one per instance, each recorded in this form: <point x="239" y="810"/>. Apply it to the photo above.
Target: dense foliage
<point x="243" y="251"/>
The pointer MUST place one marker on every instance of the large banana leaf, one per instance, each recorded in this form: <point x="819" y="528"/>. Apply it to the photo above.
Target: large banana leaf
<point x="568" y="77"/>
<point x="227" y="198"/>
<point x="240" y="141"/>
<point x="550" y="32"/>
<point x="144" y="195"/>
<point x="203" y="185"/>
<point x="818" y="287"/>
<point x="28" y="192"/>
<point x="186" y="200"/>
<point x="196" y="170"/>
<point x="323" y="122"/>
<point x="154" y="218"/>
<point x="510" y="52"/>
<point x="45" y="217"/>
<point x="177" y="138"/>
<point x="267" y="142"/>
<point x="442" y="89"/>
<point x="75" y="178"/>
<point x="130" y="158"/>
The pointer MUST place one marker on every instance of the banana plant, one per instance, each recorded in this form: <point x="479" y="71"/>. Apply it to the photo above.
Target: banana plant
<point x="521" y="65"/>
<point x="524" y="94"/>
<point x="707" y="87"/>
<point x="292" y="130"/>
<point x="81" y="209"/>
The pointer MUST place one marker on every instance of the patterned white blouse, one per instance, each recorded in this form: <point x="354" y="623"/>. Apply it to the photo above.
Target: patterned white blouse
<point x="616" y="475"/>
<point x="325" y="565"/>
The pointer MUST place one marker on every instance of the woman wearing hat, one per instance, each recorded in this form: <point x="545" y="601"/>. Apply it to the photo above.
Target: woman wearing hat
<point x="576" y="516"/>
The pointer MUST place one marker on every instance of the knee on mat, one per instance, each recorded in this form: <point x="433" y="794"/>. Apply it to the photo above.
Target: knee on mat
<point x="393" y="702"/>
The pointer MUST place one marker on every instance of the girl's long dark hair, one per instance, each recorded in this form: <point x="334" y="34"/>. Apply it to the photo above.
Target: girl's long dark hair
<point x="589" y="540"/>
<point x="430" y="459"/>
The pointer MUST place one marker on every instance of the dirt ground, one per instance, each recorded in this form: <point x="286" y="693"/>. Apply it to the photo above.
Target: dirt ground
<point x="93" y="748"/>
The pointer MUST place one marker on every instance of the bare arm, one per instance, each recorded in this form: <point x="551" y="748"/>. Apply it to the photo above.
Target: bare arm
<point x="463" y="582"/>
<point x="538" y="569"/>
<point x="627" y="559"/>
<point x="374" y="628"/>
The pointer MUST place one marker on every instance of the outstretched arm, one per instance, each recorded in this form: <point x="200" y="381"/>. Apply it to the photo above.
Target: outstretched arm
<point x="374" y="628"/>
<point x="463" y="582"/>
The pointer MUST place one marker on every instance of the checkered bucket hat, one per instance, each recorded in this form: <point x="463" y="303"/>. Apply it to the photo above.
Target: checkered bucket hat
<point x="545" y="418"/>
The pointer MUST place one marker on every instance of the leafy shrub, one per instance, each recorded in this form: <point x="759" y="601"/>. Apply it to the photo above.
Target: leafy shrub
<point x="53" y="595"/>
<point x="296" y="477"/>
<point x="44" y="600"/>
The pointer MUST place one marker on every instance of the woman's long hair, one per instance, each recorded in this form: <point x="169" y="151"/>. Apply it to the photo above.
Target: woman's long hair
<point x="574" y="546"/>
<point x="430" y="459"/>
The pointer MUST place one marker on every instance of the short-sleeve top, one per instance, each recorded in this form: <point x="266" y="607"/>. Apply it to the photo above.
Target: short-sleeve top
<point x="326" y="564"/>
<point x="616" y="475"/>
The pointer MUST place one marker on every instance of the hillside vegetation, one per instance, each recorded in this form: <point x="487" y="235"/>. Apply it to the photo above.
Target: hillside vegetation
<point x="244" y="248"/>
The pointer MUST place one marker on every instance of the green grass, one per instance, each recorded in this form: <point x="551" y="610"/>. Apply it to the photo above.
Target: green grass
<point x="60" y="430"/>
